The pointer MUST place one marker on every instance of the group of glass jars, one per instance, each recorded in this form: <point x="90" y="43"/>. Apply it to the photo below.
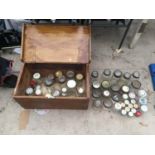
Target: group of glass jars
<point x="119" y="90"/>
<point x="61" y="83"/>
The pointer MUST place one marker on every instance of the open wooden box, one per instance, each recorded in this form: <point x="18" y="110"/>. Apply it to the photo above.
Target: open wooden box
<point x="46" y="49"/>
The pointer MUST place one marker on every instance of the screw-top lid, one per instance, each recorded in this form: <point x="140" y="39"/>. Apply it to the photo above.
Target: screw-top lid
<point x="107" y="72"/>
<point x="117" y="73"/>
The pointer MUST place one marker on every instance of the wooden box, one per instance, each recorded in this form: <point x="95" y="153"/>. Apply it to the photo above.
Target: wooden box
<point x="47" y="48"/>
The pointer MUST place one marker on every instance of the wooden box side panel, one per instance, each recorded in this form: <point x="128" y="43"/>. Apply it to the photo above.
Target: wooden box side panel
<point x="44" y="103"/>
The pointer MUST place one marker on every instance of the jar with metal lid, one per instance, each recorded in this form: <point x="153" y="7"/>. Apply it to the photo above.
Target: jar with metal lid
<point x="61" y="79"/>
<point x="64" y="91"/>
<point x="116" y="97"/>
<point x="48" y="81"/>
<point x="125" y="89"/>
<point x="106" y="95"/>
<point x="94" y="74"/>
<point x="96" y="93"/>
<point x="136" y="75"/>
<point x="96" y="84"/>
<point x="80" y="80"/>
<point x="80" y="91"/>
<point x="126" y="78"/>
<point x="37" y="77"/>
<point x="70" y="74"/>
<point x="105" y="84"/>
<point x="106" y="75"/>
<point x="29" y="91"/>
<point x="72" y="85"/>
<point x="58" y="73"/>
<point x="117" y="77"/>
<point x="98" y="103"/>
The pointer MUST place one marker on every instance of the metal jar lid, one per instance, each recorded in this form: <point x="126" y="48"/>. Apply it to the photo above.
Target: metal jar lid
<point x="115" y="88"/>
<point x="64" y="94"/>
<point x="62" y="79"/>
<point x="105" y="84"/>
<point x="130" y="114"/>
<point x="29" y="91"/>
<point x="107" y="104"/>
<point x="80" y="90"/>
<point x="118" y="106"/>
<point x="97" y="103"/>
<point x="127" y="102"/>
<point x="48" y="82"/>
<point x="51" y="76"/>
<point x="127" y="75"/>
<point x="117" y="73"/>
<point x="58" y="73"/>
<point x="133" y="101"/>
<point x="79" y="76"/>
<point x="133" y="110"/>
<point x="36" y="76"/>
<point x="64" y="89"/>
<point x="123" y="112"/>
<point x="125" y="89"/>
<point x="144" y="108"/>
<point x="71" y="83"/>
<point x="56" y="93"/>
<point x="94" y="74"/>
<point x="116" y="97"/>
<point x="123" y="105"/>
<point x="142" y="93"/>
<point x="132" y="95"/>
<point x="38" y="87"/>
<point x="127" y="109"/>
<point x="125" y="96"/>
<point x="136" y="84"/>
<point x="136" y="74"/>
<point x="106" y="93"/>
<point x="96" y="84"/>
<point x="130" y="105"/>
<point x="96" y="94"/>
<point x="107" y="72"/>
<point x="70" y="74"/>
<point x="38" y="92"/>
<point x="136" y="106"/>
<point x="143" y="101"/>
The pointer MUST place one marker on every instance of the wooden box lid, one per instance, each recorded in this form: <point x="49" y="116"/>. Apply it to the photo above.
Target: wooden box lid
<point x="56" y="44"/>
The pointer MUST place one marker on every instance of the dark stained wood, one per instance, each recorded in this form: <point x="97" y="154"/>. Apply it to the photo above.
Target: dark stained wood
<point x="56" y="44"/>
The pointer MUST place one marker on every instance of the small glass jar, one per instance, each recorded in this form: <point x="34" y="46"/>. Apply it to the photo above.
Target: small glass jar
<point x="136" y="75"/>
<point x="106" y="74"/>
<point x="116" y="78"/>
<point x="126" y="78"/>
<point x="72" y="84"/>
<point x="95" y="74"/>
<point x="97" y="103"/>
<point x="37" y="77"/>
<point x="70" y="74"/>
<point x="58" y="73"/>
<point x="29" y="91"/>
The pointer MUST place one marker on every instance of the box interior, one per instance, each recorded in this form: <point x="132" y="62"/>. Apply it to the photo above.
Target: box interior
<point x="44" y="70"/>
